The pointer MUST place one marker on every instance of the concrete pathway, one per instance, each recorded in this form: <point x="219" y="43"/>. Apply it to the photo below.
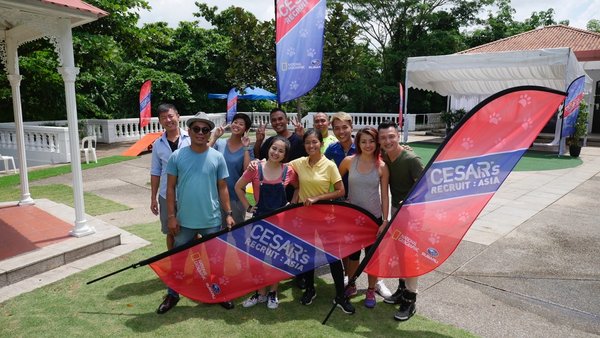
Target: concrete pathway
<point x="528" y="267"/>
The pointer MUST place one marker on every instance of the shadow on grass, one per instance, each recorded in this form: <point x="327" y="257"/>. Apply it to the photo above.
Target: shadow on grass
<point x="366" y="322"/>
<point x="136" y="289"/>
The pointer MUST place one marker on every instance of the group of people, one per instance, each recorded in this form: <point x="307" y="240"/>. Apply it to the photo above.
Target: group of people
<point x="290" y="167"/>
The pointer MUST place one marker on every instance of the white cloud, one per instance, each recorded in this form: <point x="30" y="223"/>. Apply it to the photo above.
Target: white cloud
<point x="173" y="11"/>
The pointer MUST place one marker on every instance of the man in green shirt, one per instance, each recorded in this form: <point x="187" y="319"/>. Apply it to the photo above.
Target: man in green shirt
<point x="405" y="168"/>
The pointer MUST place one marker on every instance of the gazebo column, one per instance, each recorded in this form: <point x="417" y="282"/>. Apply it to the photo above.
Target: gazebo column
<point x="69" y="74"/>
<point x="15" y="85"/>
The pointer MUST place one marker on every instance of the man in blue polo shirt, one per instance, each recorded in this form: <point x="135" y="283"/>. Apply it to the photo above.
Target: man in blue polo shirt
<point x="172" y="139"/>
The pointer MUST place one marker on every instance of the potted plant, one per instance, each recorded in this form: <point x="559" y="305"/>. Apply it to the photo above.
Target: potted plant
<point x="451" y="118"/>
<point x="575" y="141"/>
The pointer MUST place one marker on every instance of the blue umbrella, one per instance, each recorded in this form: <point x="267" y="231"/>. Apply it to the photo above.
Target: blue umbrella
<point x="249" y="94"/>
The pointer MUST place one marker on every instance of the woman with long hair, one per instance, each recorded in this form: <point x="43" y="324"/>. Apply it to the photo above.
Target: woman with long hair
<point x="368" y="183"/>
<point x="269" y="178"/>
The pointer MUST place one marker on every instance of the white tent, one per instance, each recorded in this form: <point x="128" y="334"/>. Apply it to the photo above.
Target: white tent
<point x="470" y="78"/>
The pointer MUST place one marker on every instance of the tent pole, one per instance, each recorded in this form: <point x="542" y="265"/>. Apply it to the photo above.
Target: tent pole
<point x="405" y="103"/>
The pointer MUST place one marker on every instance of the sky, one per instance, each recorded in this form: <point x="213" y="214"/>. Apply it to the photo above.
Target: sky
<point x="172" y="11"/>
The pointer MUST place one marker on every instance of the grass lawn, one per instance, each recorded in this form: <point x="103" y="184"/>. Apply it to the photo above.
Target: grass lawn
<point x="60" y="193"/>
<point x="532" y="160"/>
<point x="125" y="304"/>
<point x="40" y="174"/>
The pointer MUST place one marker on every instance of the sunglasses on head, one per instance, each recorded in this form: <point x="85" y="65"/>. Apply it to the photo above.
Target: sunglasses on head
<point x="204" y="130"/>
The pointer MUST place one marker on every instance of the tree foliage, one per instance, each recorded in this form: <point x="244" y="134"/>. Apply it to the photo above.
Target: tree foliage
<point x="367" y="43"/>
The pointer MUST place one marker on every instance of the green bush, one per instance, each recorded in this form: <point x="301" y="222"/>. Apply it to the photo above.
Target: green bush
<point x="580" y="125"/>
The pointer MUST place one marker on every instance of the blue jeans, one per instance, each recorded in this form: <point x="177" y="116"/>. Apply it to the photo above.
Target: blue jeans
<point x="186" y="235"/>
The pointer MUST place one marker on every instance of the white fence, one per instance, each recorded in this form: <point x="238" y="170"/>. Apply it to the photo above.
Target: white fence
<point x="43" y="144"/>
<point x="47" y="142"/>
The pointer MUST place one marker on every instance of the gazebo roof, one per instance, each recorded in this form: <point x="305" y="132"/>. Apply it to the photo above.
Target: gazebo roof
<point x="14" y="13"/>
<point x="585" y="44"/>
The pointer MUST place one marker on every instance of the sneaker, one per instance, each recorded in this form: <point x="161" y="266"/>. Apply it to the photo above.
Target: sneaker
<point x="168" y="303"/>
<point x="382" y="290"/>
<point x="227" y="305"/>
<point x="344" y="304"/>
<point x="309" y="295"/>
<point x="370" y="301"/>
<point x="396" y="298"/>
<point x="350" y="291"/>
<point x="272" y="301"/>
<point x="408" y="307"/>
<point x="254" y="299"/>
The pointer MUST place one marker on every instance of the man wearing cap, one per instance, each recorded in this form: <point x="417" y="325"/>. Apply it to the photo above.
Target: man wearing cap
<point x="172" y="139"/>
<point x="197" y="173"/>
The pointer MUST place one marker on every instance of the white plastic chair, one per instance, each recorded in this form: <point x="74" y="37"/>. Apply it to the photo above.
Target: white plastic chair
<point x="6" y="159"/>
<point x="88" y="147"/>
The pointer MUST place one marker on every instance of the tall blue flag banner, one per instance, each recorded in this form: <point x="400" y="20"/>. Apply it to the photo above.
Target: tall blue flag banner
<point x="571" y="110"/>
<point x="232" y="99"/>
<point x="463" y="175"/>
<point x="299" y="44"/>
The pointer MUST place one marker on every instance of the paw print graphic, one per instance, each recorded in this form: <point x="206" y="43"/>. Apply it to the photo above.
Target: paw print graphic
<point x="330" y="218"/>
<point x="467" y="143"/>
<point x="524" y="100"/>
<point x="257" y="279"/>
<point x="464" y="216"/>
<point x="224" y="280"/>
<point x="297" y="222"/>
<point x="414" y="225"/>
<point x="179" y="275"/>
<point x="349" y="238"/>
<point x="294" y="85"/>
<point x="393" y="262"/>
<point x="434" y="239"/>
<point x="290" y="51"/>
<point x="441" y="214"/>
<point x="360" y="220"/>
<point x="215" y="259"/>
<point x="303" y="33"/>
<point x="527" y="123"/>
<point x="311" y="52"/>
<point x="495" y="118"/>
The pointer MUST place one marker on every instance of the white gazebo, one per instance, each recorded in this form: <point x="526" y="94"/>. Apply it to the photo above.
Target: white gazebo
<point x="22" y="21"/>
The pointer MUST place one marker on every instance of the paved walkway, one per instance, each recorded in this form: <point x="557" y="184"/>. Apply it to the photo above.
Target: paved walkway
<point x="528" y="266"/>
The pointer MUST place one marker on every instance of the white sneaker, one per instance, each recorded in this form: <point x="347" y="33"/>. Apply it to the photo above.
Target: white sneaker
<point x="382" y="290"/>
<point x="272" y="301"/>
<point x="255" y="299"/>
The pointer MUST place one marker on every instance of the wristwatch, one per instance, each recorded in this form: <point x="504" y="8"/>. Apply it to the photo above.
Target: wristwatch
<point x="229" y="213"/>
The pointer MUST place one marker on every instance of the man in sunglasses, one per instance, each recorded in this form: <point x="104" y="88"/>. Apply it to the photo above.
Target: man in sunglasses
<point x="172" y="139"/>
<point x="198" y="174"/>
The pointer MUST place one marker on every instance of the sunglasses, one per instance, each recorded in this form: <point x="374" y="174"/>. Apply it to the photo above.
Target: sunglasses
<point x="204" y="130"/>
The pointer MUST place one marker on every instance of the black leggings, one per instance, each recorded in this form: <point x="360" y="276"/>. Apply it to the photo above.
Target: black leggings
<point x="337" y="272"/>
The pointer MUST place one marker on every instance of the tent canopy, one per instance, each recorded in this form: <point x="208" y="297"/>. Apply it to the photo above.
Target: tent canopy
<point x="488" y="73"/>
<point x="250" y="93"/>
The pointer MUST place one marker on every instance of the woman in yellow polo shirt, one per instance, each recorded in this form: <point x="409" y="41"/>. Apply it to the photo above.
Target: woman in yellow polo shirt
<point x="316" y="174"/>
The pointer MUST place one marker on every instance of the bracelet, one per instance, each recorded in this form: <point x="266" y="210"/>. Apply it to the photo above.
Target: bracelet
<point x="171" y="216"/>
<point x="229" y="213"/>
